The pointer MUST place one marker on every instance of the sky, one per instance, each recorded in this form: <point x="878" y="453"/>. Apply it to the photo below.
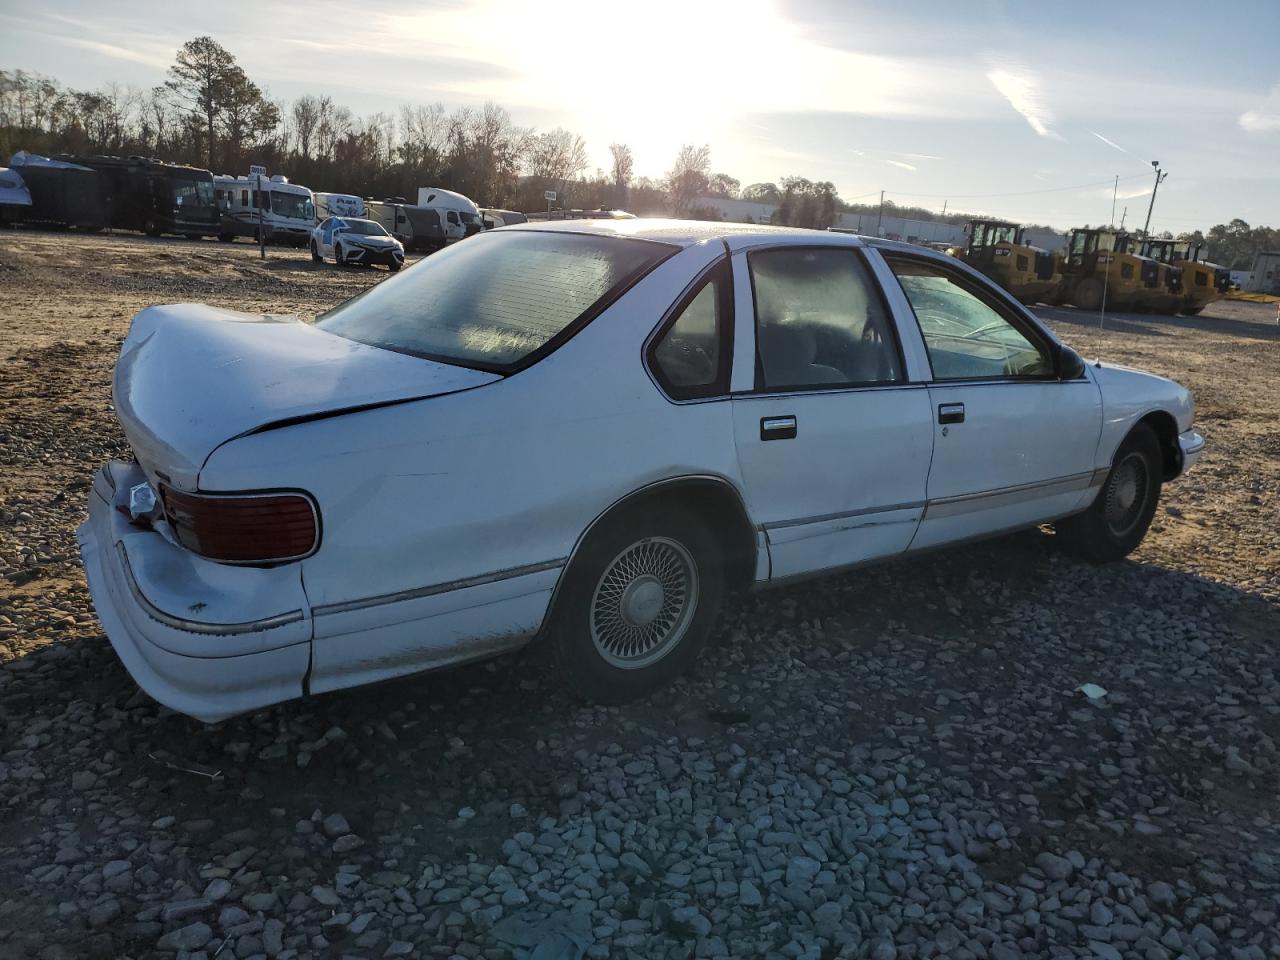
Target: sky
<point x="1002" y="108"/>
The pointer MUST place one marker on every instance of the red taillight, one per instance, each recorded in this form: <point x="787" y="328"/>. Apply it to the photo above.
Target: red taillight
<point x="249" y="528"/>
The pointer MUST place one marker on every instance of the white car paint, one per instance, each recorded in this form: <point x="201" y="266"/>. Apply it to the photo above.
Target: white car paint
<point x="453" y="499"/>
<point x="335" y="239"/>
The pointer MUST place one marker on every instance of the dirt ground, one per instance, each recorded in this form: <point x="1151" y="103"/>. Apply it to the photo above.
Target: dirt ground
<point x="961" y="665"/>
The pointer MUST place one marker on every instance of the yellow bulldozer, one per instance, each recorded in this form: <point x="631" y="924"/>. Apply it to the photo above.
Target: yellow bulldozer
<point x="1202" y="282"/>
<point x="1105" y="262"/>
<point x="999" y="249"/>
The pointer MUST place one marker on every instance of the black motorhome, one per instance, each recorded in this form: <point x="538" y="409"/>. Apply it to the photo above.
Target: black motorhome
<point x="62" y="194"/>
<point x="155" y="197"/>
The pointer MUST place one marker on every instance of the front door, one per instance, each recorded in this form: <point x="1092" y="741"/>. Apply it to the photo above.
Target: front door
<point x="1013" y="445"/>
<point x="833" y="442"/>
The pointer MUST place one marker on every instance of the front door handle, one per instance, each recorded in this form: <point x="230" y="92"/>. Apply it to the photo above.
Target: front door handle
<point x="951" y="413"/>
<point x="777" y="428"/>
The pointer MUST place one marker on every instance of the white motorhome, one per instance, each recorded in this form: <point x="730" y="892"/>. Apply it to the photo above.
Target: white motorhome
<point x="339" y="205"/>
<point x="285" y="210"/>
<point x="461" y="215"/>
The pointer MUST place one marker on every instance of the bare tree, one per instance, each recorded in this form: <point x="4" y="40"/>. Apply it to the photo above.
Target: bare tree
<point x="305" y="117"/>
<point x="688" y="177"/>
<point x="623" y="168"/>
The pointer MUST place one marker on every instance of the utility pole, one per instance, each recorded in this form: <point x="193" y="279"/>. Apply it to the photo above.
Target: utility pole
<point x="880" y="218"/>
<point x="944" y="208"/>
<point x="1161" y="176"/>
<point x="1115" y="188"/>
<point x="1122" y="216"/>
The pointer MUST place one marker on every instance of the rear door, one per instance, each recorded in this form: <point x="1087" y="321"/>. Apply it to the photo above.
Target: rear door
<point x="1013" y="444"/>
<point x="833" y="437"/>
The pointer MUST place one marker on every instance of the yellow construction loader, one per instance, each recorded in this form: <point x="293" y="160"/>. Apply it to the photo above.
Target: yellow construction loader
<point x="1105" y="262"/>
<point x="999" y="250"/>
<point x="1202" y="282"/>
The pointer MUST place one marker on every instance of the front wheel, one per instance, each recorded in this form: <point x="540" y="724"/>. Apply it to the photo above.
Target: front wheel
<point x="151" y="228"/>
<point x="638" y="603"/>
<point x="337" y="255"/>
<point x="1118" y="519"/>
<point x="394" y="265"/>
<point x="315" y="253"/>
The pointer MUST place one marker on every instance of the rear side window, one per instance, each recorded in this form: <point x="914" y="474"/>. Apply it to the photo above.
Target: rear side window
<point x="690" y="357"/>
<point x="820" y="321"/>
<point x="496" y="301"/>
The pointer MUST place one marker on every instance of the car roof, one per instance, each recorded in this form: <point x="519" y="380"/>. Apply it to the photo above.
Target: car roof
<point x="686" y="233"/>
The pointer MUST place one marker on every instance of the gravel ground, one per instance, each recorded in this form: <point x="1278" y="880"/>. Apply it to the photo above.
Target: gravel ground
<point x="888" y="764"/>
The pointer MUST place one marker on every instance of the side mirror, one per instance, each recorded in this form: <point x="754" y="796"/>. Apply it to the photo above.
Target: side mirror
<point x="1069" y="364"/>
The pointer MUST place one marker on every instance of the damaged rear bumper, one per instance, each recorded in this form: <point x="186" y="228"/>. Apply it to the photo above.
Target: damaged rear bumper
<point x="206" y="639"/>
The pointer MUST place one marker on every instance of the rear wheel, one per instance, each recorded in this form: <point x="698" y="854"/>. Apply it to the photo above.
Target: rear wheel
<point x="1192" y="311"/>
<point x="226" y="237"/>
<point x="1088" y="294"/>
<point x="638" y="603"/>
<point x="1118" y="519"/>
<point x="151" y="228"/>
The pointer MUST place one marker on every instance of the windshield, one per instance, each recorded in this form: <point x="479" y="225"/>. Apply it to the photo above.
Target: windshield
<point x="495" y="299"/>
<point x="296" y="205"/>
<point x="193" y="193"/>
<point x="366" y="228"/>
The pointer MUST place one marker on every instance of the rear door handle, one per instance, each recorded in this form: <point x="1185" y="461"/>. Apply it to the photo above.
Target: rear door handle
<point x="951" y="413"/>
<point x="777" y="428"/>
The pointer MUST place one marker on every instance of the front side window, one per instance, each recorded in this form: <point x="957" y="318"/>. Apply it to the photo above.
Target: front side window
<point x="819" y="320"/>
<point x="192" y="193"/>
<point x="689" y="357"/>
<point x="966" y="337"/>
<point x="498" y="300"/>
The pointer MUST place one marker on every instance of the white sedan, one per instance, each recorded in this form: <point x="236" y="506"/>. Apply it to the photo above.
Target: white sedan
<point x="349" y="240"/>
<point x="587" y="433"/>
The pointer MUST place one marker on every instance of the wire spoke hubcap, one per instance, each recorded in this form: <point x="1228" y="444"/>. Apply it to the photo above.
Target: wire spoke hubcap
<point x="643" y="603"/>
<point x="1126" y="494"/>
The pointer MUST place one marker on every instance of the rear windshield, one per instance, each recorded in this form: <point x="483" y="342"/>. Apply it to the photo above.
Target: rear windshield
<point x="494" y="300"/>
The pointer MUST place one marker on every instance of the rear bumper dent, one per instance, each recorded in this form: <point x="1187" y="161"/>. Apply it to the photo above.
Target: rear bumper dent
<point x="209" y="669"/>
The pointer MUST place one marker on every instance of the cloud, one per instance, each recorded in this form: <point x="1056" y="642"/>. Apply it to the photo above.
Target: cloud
<point x="1110" y="143"/>
<point x="111" y="50"/>
<point x="1021" y="88"/>
<point x="1265" y="117"/>
<point x="899" y="163"/>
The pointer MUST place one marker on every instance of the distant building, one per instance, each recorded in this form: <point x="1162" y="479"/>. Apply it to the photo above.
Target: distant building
<point x="1265" y="275"/>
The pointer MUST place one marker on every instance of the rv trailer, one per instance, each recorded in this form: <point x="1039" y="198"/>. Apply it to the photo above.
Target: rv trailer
<point x="145" y="194"/>
<point x="339" y="205"/>
<point x="62" y="194"/>
<point x="286" y="211"/>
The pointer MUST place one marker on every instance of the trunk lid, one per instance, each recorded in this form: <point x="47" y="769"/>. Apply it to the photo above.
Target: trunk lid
<point x="191" y="377"/>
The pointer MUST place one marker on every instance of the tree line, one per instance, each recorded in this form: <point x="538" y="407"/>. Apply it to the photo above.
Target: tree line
<point x="210" y="113"/>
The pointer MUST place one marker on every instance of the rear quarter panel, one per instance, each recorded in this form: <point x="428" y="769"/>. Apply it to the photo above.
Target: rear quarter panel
<point x="492" y="478"/>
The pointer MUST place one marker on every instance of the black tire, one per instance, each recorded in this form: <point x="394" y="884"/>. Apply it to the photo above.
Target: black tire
<point x="394" y="266"/>
<point x="1191" y="311"/>
<point x="227" y="237"/>
<point x="1088" y="294"/>
<point x="1118" y="519"/>
<point x="593" y="639"/>
<point x="337" y="255"/>
<point x="315" y="253"/>
<point x="151" y="228"/>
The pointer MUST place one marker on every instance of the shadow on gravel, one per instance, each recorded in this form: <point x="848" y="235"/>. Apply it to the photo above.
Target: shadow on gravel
<point x="1151" y="324"/>
<point x="959" y="667"/>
